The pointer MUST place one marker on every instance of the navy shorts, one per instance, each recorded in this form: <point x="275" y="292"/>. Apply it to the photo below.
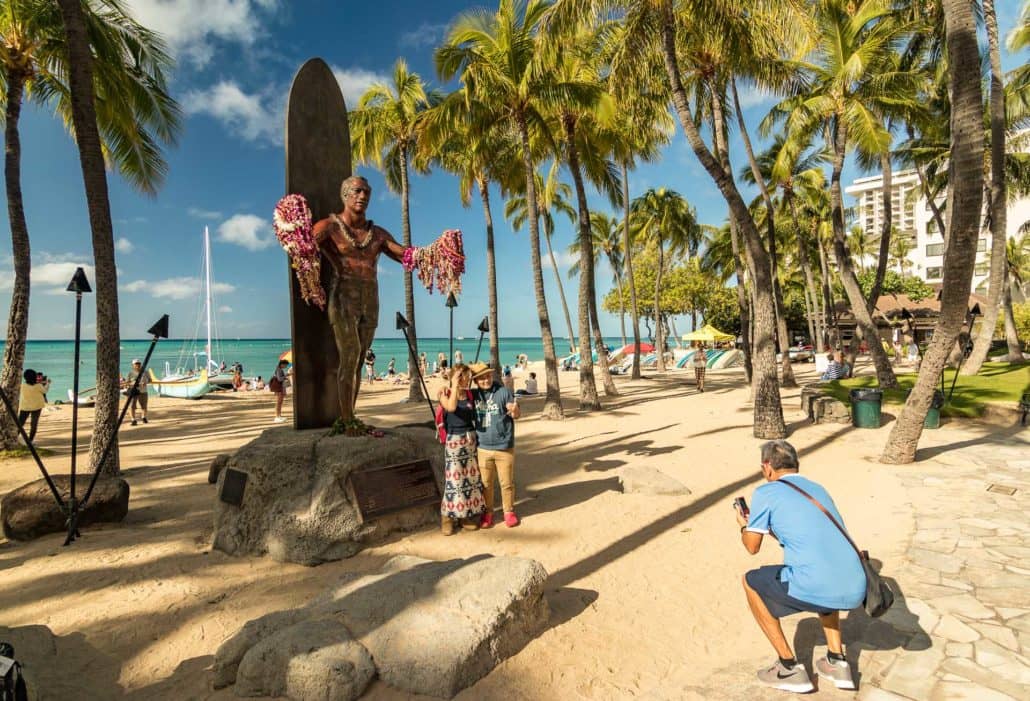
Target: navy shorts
<point x="766" y="581"/>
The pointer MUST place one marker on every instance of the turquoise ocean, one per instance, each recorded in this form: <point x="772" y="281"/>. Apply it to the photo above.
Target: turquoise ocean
<point x="258" y="356"/>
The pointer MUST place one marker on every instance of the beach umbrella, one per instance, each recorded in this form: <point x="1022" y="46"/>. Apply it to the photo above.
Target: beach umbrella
<point x="287" y="356"/>
<point x="644" y="348"/>
<point x="709" y="334"/>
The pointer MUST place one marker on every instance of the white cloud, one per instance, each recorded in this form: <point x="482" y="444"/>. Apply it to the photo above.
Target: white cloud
<point x="425" y="35"/>
<point x="124" y="245"/>
<point x="354" y="82"/>
<point x="175" y="287"/>
<point x="224" y="309"/>
<point x="247" y="230"/>
<point x="191" y="27"/>
<point x="254" y="117"/>
<point x="60" y="273"/>
<point x="754" y="97"/>
<point x="198" y="213"/>
<point x="564" y="258"/>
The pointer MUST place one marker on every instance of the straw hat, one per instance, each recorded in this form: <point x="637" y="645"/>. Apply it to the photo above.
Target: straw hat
<point x="479" y="369"/>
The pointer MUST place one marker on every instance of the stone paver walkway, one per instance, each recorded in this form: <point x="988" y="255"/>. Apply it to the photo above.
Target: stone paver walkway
<point x="964" y="621"/>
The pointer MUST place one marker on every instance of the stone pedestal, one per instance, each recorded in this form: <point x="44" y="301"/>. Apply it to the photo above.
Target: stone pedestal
<point x="296" y="504"/>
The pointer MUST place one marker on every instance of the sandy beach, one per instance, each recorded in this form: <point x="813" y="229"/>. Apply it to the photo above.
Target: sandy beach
<point x="644" y="592"/>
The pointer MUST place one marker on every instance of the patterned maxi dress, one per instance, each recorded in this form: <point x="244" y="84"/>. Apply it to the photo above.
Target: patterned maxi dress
<point x="463" y="486"/>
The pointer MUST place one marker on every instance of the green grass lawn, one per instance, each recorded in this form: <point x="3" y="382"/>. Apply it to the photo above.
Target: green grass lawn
<point x="1001" y="383"/>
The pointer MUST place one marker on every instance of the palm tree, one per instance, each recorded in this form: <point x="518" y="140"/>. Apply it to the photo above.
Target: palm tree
<point x="1018" y="273"/>
<point x="997" y="203"/>
<point x="552" y="197"/>
<point x="965" y="200"/>
<point x="385" y="131"/>
<point x="115" y="98"/>
<point x="669" y="223"/>
<point x="640" y="126"/>
<point x="901" y="246"/>
<point x="34" y="61"/>
<point x="463" y="138"/>
<point x="496" y="57"/>
<point x="854" y="80"/>
<point x="606" y="235"/>
<point x="862" y="245"/>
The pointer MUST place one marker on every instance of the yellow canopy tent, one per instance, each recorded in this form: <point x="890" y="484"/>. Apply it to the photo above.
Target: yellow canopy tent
<point x="709" y="334"/>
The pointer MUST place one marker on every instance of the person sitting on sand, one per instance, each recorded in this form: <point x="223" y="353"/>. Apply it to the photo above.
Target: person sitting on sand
<point x="258" y="383"/>
<point x="821" y="573"/>
<point x="531" y="386"/>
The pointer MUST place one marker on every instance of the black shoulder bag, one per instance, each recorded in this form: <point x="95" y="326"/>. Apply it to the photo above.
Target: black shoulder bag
<point x="878" y="595"/>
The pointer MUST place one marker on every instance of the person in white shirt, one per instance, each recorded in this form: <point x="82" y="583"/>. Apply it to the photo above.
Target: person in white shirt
<point x="531" y="386"/>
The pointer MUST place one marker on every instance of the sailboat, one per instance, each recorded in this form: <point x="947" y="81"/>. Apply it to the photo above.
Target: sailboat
<point x="201" y="380"/>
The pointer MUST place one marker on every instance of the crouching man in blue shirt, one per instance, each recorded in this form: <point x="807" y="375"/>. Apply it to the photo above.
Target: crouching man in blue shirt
<point x="820" y="572"/>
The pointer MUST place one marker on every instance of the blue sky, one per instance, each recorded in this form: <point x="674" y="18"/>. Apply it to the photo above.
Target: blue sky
<point x="235" y="61"/>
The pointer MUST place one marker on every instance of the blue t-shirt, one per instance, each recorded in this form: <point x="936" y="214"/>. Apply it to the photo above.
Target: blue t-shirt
<point x="820" y="566"/>
<point x="494" y="427"/>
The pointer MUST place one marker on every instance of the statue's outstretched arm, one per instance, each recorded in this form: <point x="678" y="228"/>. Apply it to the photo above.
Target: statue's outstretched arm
<point x="392" y="249"/>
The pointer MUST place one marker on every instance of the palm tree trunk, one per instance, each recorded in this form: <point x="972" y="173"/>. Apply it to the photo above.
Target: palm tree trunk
<point x="610" y="390"/>
<point x="622" y="306"/>
<point x="884" y="371"/>
<point x="885" y="233"/>
<point x="768" y="411"/>
<point x="998" y="202"/>
<point x="628" y="246"/>
<point x="964" y="202"/>
<point x="830" y="312"/>
<point x="18" y="317"/>
<point x="811" y="292"/>
<point x="659" y="333"/>
<point x="743" y="301"/>
<point x="414" y="384"/>
<point x="588" y="399"/>
<point x="94" y="176"/>
<point x="781" y="321"/>
<point x="675" y="333"/>
<point x="573" y="344"/>
<point x="552" y="397"/>
<point x="491" y="276"/>
<point x="1015" y="354"/>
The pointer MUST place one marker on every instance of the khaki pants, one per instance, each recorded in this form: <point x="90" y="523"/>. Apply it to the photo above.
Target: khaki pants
<point x="494" y="464"/>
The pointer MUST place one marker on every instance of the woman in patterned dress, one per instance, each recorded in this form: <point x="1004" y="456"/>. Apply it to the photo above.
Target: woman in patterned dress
<point x="463" y="487"/>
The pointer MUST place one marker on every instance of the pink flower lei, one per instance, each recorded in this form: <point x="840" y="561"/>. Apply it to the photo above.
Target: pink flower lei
<point x="440" y="264"/>
<point x="293" y="228"/>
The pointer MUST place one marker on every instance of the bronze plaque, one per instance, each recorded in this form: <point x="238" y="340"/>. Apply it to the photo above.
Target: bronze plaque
<point x="317" y="162"/>
<point x="384" y="490"/>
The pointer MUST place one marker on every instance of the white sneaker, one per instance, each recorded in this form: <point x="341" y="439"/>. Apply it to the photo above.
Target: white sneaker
<point x="836" y="671"/>
<point x="279" y="419"/>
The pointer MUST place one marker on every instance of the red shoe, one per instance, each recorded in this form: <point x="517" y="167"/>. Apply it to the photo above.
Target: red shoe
<point x="487" y="521"/>
<point x="510" y="519"/>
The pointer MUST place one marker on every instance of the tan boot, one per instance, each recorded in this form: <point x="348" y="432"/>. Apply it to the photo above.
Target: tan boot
<point x="447" y="525"/>
<point x="470" y="524"/>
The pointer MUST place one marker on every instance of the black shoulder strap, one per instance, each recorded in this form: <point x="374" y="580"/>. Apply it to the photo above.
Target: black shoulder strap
<point x="828" y="514"/>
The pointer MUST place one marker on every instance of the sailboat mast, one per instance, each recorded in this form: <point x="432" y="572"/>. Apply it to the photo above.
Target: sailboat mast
<point x="207" y="293"/>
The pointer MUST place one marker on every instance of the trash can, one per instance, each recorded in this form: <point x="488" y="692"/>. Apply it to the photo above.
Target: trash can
<point x="865" y="407"/>
<point x="933" y="416"/>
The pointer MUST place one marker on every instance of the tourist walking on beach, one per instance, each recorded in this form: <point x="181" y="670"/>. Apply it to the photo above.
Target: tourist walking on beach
<point x="463" y="486"/>
<point x="821" y="573"/>
<point x="31" y="400"/>
<point x="278" y="386"/>
<point x="138" y="398"/>
<point x="700" y="365"/>
<point x="370" y="365"/>
<point x="496" y="411"/>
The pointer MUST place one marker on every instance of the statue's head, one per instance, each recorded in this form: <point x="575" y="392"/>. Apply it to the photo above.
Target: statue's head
<point x="355" y="193"/>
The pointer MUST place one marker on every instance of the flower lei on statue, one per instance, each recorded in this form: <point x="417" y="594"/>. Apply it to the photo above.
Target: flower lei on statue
<point x="440" y="264"/>
<point x="292" y="221"/>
